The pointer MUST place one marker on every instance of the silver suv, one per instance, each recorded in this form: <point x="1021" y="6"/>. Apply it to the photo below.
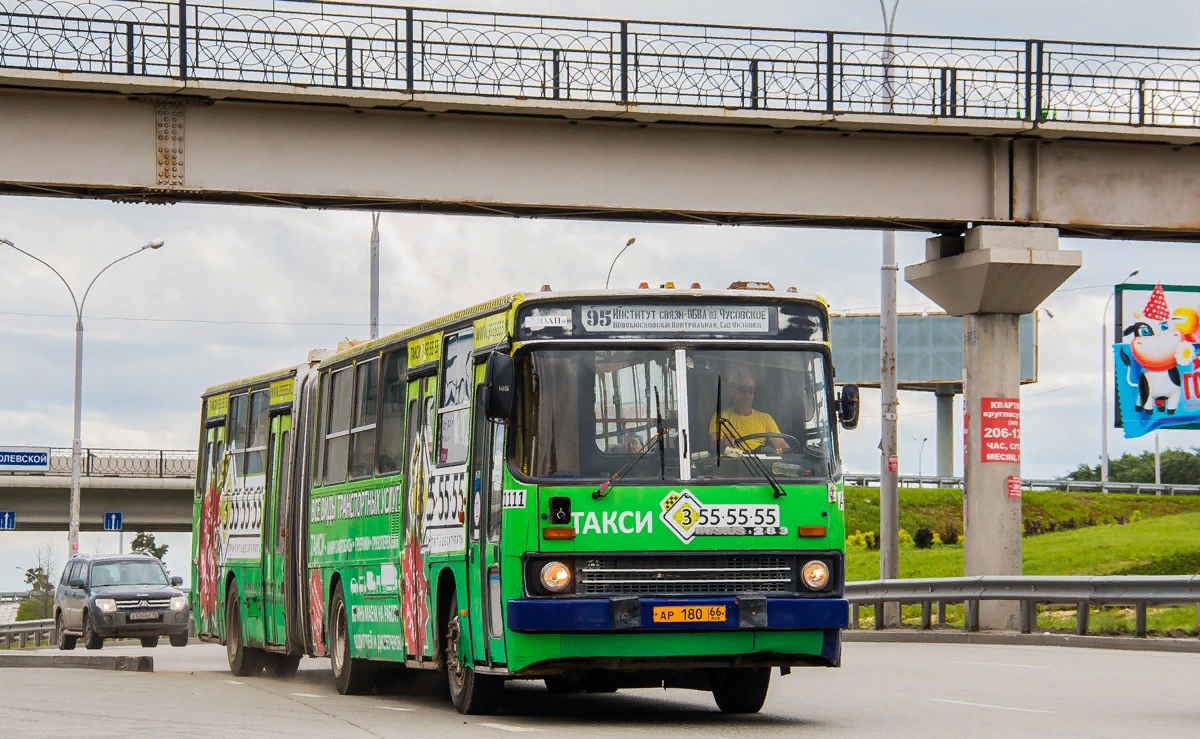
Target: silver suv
<point x="119" y="595"/>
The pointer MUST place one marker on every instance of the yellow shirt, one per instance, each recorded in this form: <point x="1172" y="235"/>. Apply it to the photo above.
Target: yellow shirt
<point x="755" y="423"/>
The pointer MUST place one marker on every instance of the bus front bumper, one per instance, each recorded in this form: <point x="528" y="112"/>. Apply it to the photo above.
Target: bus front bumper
<point x="547" y="615"/>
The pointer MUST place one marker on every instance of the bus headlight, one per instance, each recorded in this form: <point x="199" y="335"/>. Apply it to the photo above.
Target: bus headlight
<point x="815" y="574"/>
<point x="556" y="577"/>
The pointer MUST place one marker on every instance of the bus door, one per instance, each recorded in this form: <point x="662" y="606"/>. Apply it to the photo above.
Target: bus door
<point x="414" y="585"/>
<point x="485" y="506"/>
<point x="208" y="530"/>
<point x="274" y="539"/>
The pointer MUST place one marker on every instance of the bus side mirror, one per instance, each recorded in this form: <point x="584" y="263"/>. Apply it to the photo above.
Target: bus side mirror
<point x="847" y="407"/>
<point x="499" y="393"/>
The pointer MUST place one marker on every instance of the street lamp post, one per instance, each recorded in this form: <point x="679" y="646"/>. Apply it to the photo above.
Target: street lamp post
<point x="614" y="261"/>
<point x="76" y="443"/>
<point x="1104" y="351"/>
<point x="921" y="454"/>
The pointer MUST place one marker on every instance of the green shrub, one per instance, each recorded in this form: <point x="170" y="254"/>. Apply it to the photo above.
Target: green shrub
<point x="904" y="537"/>
<point x="949" y="534"/>
<point x="923" y="539"/>
<point x="1135" y="517"/>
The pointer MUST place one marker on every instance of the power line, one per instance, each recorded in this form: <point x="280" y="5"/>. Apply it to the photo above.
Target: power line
<point x="204" y="321"/>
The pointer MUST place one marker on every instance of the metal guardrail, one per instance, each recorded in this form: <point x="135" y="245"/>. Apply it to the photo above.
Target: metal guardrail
<point x="620" y="62"/>
<point x="15" y="596"/>
<point x="123" y="463"/>
<point x="1081" y="486"/>
<point x="27" y="633"/>
<point x="1082" y="592"/>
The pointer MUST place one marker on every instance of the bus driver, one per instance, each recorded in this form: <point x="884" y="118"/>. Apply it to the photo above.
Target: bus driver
<point x="742" y="420"/>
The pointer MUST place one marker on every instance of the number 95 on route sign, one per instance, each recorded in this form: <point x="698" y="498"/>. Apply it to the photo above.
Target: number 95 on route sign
<point x="689" y="614"/>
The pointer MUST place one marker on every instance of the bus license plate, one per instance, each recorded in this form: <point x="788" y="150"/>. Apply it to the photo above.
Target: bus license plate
<point x="143" y="617"/>
<point x="689" y="614"/>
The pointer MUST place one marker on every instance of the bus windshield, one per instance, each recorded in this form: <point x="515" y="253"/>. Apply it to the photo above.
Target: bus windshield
<point x="593" y="413"/>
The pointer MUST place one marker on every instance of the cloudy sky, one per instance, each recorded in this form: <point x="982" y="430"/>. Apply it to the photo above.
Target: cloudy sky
<point x="239" y="290"/>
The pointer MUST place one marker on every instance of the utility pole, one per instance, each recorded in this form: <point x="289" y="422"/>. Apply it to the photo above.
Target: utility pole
<point x="889" y="460"/>
<point x="374" y="275"/>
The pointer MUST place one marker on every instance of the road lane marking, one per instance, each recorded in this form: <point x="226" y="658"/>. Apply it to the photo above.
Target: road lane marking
<point x="394" y="708"/>
<point x="235" y="682"/>
<point x="506" y="727"/>
<point x="987" y="705"/>
<point x="999" y="664"/>
<point x="306" y="695"/>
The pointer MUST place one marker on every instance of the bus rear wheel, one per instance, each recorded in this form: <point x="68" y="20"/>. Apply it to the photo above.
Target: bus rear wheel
<point x="741" y="690"/>
<point x="470" y="692"/>
<point x="351" y="676"/>
<point x="244" y="661"/>
<point x="283" y="665"/>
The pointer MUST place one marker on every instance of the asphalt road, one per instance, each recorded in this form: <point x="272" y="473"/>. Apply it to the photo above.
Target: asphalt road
<point x="886" y="690"/>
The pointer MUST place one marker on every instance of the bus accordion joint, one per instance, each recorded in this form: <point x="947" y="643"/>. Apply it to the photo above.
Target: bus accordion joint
<point x="558" y="532"/>
<point x="811" y="530"/>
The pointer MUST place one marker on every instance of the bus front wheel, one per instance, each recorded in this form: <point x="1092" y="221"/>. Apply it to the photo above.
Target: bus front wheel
<point x="351" y="675"/>
<point x="741" y="690"/>
<point x="470" y="692"/>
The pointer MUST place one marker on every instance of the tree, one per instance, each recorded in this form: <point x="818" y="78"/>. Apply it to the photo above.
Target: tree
<point x="145" y="544"/>
<point x="40" y="580"/>
<point x="1179" y="467"/>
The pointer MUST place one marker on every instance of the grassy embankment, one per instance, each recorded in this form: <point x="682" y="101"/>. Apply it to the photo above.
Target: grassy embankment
<point x="1088" y="539"/>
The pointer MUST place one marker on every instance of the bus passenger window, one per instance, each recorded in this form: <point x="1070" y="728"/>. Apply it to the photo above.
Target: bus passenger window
<point x="256" y="447"/>
<point x="391" y="415"/>
<point x="366" y="409"/>
<point x="239" y="430"/>
<point x="454" y="421"/>
<point x="337" y="425"/>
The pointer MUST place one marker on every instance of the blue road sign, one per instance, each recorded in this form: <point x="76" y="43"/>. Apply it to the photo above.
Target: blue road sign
<point x="112" y="521"/>
<point x="8" y="520"/>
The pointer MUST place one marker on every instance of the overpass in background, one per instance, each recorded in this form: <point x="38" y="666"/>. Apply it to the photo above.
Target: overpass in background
<point x="346" y="105"/>
<point x="153" y="489"/>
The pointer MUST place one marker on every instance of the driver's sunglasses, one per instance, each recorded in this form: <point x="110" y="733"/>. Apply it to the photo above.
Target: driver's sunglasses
<point x="744" y="388"/>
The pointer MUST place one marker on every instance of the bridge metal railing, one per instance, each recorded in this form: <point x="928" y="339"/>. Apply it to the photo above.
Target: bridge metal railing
<point x="1079" y="486"/>
<point x="123" y="463"/>
<point x="24" y="634"/>
<point x="1081" y="592"/>
<point x="620" y="62"/>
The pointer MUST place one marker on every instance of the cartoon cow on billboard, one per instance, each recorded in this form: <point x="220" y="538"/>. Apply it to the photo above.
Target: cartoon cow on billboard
<point x="1161" y="341"/>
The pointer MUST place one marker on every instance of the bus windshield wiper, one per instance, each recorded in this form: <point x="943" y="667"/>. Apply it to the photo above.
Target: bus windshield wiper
<point x="730" y="433"/>
<point x="655" y="440"/>
<point x="612" y="481"/>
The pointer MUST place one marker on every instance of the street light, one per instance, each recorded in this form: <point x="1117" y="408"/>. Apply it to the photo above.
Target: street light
<point x="920" y="454"/>
<point x="76" y="444"/>
<point x="614" y="261"/>
<point x="1104" y="381"/>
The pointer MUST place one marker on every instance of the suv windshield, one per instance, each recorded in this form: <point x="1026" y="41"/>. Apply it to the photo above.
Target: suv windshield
<point x="588" y="413"/>
<point x="128" y="573"/>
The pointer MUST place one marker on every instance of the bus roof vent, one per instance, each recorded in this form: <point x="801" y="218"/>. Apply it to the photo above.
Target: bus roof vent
<point x="546" y="288"/>
<point x="644" y="286"/>
<point x="695" y="285"/>
<point x="668" y="285"/>
<point x="793" y="289"/>
<point x="751" y="285"/>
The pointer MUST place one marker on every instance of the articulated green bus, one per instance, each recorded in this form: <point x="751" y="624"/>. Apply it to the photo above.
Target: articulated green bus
<point x="597" y="490"/>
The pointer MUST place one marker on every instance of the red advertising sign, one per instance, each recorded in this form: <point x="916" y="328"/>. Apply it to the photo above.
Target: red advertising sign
<point x="1014" y="486"/>
<point x="1000" y="428"/>
<point x="893" y="464"/>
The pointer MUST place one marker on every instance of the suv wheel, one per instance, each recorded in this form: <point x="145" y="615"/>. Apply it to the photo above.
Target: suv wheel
<point x="179" y="640"/>
<point x="244" y="661"/>
<point x="65" y="642"/>
<point x="149" y="641"/>
<point x="91" y="639"/>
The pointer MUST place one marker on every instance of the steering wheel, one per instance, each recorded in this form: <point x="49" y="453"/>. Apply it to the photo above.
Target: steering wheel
<point x="791" y="441"/>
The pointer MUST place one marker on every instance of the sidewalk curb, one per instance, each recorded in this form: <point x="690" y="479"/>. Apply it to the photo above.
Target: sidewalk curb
<point x="88" y="662"/>
<point x="1151" y="644"/>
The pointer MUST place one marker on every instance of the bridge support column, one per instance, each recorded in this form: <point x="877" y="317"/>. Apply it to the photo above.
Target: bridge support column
<point x="945" y="434"/>
<point x="991" y="276"/>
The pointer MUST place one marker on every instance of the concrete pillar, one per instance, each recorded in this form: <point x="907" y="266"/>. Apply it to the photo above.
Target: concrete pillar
<point x="945" y="434"/>
<point x="991" y="276"/>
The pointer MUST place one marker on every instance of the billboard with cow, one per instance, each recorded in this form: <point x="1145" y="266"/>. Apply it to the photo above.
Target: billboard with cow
<point x="1157" y="368"/>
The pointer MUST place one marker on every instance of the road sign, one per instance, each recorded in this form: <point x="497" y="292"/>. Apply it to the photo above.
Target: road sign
<point x="112" y="521"/>
<point x="8" y="520"/>
<point x="24" y="459"/>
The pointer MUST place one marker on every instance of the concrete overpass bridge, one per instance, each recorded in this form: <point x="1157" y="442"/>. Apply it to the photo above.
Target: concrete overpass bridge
<point x="153" y="489"/>
<point x="366" y="106"/>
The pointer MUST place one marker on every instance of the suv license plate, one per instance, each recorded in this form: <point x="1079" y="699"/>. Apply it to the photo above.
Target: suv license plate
<point x="143" y="617"/>
<point x="689" y="614"/>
